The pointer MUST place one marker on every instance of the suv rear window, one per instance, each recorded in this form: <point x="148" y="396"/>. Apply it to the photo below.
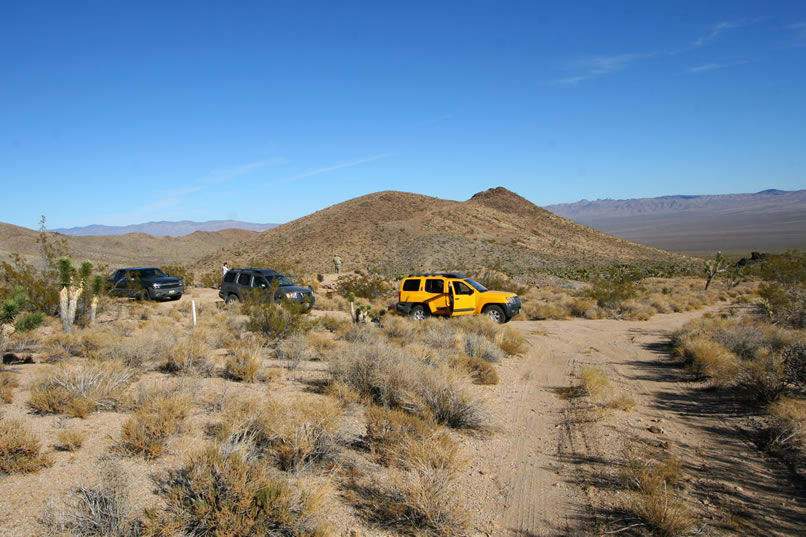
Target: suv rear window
<point x="412" y="285"/>
<point x="244" y="278"/>
<point x="434" y="286"/>
<point x="229" y="277"/>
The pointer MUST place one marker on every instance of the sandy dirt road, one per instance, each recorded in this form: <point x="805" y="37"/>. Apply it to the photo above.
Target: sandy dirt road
<point x="546" y="473"/>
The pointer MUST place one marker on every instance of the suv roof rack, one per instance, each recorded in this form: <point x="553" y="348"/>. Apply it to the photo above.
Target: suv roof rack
<point x="443" y="274"/>
<point x="262" y="270"/>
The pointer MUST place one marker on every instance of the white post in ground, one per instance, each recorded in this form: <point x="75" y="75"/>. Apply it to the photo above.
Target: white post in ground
<point x="193" y="307"/>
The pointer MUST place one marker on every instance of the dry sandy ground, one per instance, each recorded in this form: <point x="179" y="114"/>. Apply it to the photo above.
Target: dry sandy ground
<point x="543" y="471"/>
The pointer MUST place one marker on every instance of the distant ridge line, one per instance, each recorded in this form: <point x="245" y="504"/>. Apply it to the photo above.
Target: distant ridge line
<point x="163" y="228"/>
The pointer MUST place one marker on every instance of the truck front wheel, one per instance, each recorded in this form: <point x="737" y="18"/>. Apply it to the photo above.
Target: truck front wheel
<point x="496" y="313"/>
<point x="418" y="313"/>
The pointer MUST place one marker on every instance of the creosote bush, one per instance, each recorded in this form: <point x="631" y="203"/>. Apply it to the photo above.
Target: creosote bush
<point x="19" y="449"/>
<point x="78" y="390"/>
<point x="364" y="286"/>
<point x="275" y="321"/>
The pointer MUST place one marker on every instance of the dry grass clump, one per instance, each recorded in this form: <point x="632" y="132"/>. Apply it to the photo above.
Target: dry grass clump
<point x="653" y="499"/>
<point x="593" y="381"/>
<point x="160" y="414"/>
<point x="229" y="494"/>
<point x="70" y="440"/>
<point x="707" y="358"/>
<point x="141" y="348"/>
<point x="8" y="382"/>
<point x="333" y="323"/>
<point x="479" y="346"/>
<point x="480" y="325"/>
<point x="189" y="357"/>
<point x="363" y="333"/>
<point x="320" y="342"/>
<point x="19" y="449"/>
<point x="787" y="429"/>
<point x="293" y="350"/>
<point x="439" y="334"/>
<point x="481" y="371"/>
<point x="511" y="341"/>
<point x="244" y="364"/>
<point x="293" y="436"/>
<point x="387" y="428"/>
<point x="399" y="327"/>
<point x="624" y="403"/>
<point x="101" y="509"/>
<point x="392" y="377"/>
<point x="422" y="497"/>
<point x="78" y="390"/>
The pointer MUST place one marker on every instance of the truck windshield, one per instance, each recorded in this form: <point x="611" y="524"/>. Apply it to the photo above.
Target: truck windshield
<point x="475" y="285"/>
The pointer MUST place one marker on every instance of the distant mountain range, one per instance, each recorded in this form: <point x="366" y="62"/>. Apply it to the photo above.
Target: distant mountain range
<point x="164" y="229"/>
<point x="763" y="221"/>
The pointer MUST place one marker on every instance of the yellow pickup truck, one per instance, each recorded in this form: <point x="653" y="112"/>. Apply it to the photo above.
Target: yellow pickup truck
<point x="453" y="294"/>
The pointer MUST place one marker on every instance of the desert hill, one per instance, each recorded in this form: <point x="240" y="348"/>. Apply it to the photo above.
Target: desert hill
<point x="164" y="228"/>
<point x="766" y="220"/>
<point x="400" y="232"/>
<point x="123" y="250"/>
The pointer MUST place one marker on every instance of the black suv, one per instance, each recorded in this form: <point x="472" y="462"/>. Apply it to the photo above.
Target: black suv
<point x="145" y="283"/>
<point x="239" y="282"/>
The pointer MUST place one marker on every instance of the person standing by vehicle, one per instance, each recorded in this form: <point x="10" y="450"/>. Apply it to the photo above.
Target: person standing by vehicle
<point x="337" y="262"/>
<point x="224" y="270"/>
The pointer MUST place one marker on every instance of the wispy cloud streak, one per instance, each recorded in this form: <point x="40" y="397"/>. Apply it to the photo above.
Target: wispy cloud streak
<point x="718" y="29"/>
<point x="598" y="66"/>
<point x="335" y="167"/>
<point x="713" y="66"/>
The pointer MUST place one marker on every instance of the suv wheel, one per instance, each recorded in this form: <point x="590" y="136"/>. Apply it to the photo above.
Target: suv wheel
<point x="144" y="295"/>
<point x="231" y="299"/>
<point x="496" y="313"/>
<point x="418" y="313"/>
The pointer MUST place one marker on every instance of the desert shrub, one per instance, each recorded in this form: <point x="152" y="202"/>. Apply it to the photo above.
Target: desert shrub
<point x="100" y="509"/>
<point x="582" y="306"/>
<point x="143" y="347"/>
<point x="275" y="321"/>
<point x="482" y="371"/>
<point x="29" y="321"/>
<point x="333" y="323"/>
<point x="363" y="333"/>
<point x="179" y="271"/>
<point x="392" y="377"/>
<point x="622" y="402"/>
<point x="708" y="358"/>
<point x="784" y="294"/>
<point x="8" y="382"/>
<point x="450" y="402"/>
<point x="511" y="341"/>
<point x="38" y="285"/>
<point x="593" y="381"/>
<point x="364" y="286"/>
<point x="787" y="428"/>
<point x="189" y="357"/>
<point x="399" y="327"/>
<point x="478" y="346"/>
<point x="421" y="499"/>
<point x="540" y="311"/>
<point x="319" y="343"/>
<point x="69" y="439"/>
<point x="292" y="436"/>
<point x="611" y="288"/>
<point x="388" y="427"/>
<point x="210" y="278"/>
<point x="81" y="389"/>
<point x="794" y="358"/>
<point x="160" y="414"/>
<point x="226" y="493"/>
<point x="477" y="324"/>
<point x="294" y="350"/>
<point x="19" y="449"/>
<point x="244" y="363"/>
<point x="765" y="376"/>
<point x="746" y="339"/>
<point x="438" y="333"/>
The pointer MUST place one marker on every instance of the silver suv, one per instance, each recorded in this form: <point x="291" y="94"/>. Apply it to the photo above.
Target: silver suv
<point x="239" y="283"/>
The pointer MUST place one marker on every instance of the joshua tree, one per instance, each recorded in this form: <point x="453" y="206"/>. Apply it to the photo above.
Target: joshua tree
<point x="71" y="288"/>
<point x="712" y="268"/>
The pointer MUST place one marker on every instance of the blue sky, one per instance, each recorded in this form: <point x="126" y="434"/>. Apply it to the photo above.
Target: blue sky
<point x="122" y="112"/>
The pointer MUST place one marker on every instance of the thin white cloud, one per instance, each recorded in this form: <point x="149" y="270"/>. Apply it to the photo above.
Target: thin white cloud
<point x="334" y="167"/>
<point x="222" y="176"/>
<point x="800" y="30"/>
<point x="718" y="29"/>
<point x="714" y="66"/>
<point x="598" y="66"/>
